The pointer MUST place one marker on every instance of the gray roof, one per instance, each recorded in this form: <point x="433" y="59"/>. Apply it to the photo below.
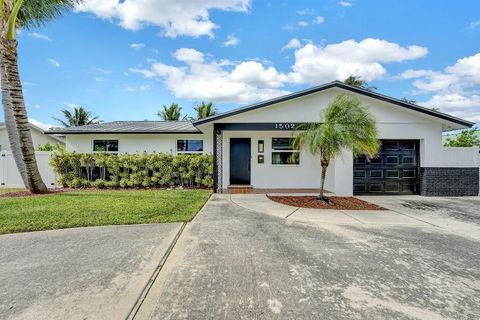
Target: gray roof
<point x="131" y="127"/>
<point x="342" y="85"/>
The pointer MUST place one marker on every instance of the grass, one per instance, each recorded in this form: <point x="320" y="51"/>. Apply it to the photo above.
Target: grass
<point x="97" y="208"/>
<point x="7" y="190"/>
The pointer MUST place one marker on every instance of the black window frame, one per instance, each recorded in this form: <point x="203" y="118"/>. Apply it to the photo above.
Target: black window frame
<point x="186" y="144"/>
<point x="105" y="143"/>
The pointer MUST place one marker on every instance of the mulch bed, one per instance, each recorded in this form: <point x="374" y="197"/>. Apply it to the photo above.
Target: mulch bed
<point x="338" y="203"/>
<point x="29" y="194"/>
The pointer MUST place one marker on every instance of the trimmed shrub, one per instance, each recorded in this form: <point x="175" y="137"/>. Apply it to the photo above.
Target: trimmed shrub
<point x="142" y="170"/>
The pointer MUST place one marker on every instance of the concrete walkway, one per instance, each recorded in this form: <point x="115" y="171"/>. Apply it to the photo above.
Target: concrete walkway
<point x="81" y="273"/>
<point x="260" y="203"/>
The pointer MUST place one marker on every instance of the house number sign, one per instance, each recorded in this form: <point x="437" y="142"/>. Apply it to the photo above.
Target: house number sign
<point x="285" y="126"/>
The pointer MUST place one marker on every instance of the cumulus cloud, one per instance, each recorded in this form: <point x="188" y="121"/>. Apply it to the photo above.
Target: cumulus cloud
<point x="137" y="46"/>
<point x="292" y="44"/>
<point x="319" y="20"/>
<point x="345" y="4"/>
<point x="54" y="63"/>
<point x="474" y="25"/>
<point x="44" y="126"/>
<point x="39" y="36"/>
<point x="319" y="64"/>
<point x="200" y="78"/>
<point x="231" y="41"/>
<point x="176" y="18"/>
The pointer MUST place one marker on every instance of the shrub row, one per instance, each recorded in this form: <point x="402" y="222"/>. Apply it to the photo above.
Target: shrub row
<point x="101" y="170"/>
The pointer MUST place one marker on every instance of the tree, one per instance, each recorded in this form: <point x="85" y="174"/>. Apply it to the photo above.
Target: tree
<point x="356" y="81"/>
<point x="79" y="117"/>
<point x="466" y="138"/>
<point x="406" y="100"/>
<point x="347" y="125"/>
<point x="171" y="113"/>
<point x="205" y="110"/>
<point x="22" y="14"/>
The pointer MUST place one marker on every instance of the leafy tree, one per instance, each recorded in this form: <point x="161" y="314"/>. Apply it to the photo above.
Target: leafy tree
<point x="466" y="138"/>
<point x="22" y="14"/>
<point x="205" y="110"/>
<point x="347" y="125"/>
<point x="79" y="117"/>
<point x="356" y="81"/>
<point x="49" y="147"/>
<point x="171" y="113"/>
<point x="405" y="99"/>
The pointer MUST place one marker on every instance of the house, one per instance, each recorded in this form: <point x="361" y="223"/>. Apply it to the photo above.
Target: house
<point x="38" y="136"/>
<point x="251" y="146"/>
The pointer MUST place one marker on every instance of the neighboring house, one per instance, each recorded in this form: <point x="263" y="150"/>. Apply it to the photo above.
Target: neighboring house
<point x="251" y="145"/>
<point x="38" y="136"/>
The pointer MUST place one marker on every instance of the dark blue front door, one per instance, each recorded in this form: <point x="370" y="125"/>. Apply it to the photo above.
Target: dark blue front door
<point x="240" y="161"/>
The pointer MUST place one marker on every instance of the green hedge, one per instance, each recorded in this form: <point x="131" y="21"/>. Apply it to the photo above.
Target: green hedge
<point x="101" y="170"/>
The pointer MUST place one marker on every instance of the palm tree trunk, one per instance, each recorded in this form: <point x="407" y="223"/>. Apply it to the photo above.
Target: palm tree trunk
<point x="324" y="165"/>
<point x="13" y="87"/>
<point x="12" y="128"/>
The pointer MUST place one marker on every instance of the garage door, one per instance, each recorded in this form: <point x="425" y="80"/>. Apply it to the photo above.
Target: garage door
<point x="393" y="171"/>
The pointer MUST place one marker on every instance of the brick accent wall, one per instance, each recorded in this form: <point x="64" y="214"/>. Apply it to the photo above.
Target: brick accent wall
<point x="449" y="182"/>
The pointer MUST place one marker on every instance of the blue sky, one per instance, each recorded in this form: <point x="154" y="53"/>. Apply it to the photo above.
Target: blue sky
<point x="122" y="60"/>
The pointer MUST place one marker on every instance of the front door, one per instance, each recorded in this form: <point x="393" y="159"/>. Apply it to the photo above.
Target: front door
<point x="240" y="161"/>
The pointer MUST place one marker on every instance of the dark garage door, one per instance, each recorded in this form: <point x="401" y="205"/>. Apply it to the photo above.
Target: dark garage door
<point x="394" y="171"/>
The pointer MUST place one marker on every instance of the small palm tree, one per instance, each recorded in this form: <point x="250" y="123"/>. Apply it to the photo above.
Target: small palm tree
<point x="22" y="14"/>
<point x="171" y="113"/>
<point x="79" y="117"/>
<point x="205" y="110"/>
<point x="346" y="125"/>
<point x="356" y="81"/>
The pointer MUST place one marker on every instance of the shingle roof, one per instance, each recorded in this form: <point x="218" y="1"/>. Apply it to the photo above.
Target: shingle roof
<point x="131" y="127"/>
<point x="341" y="85"/>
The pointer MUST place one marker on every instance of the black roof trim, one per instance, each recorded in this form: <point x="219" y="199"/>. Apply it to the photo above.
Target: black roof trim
<point x="342" y="85"/>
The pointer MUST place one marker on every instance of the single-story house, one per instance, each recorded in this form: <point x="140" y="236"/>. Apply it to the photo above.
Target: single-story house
<point x="251" y="145"/>
<point x="38" y="136"/>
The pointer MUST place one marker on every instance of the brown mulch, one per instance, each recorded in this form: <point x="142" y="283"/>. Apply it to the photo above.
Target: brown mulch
<point x="337" y="203"/>
<point x="29" y="194"/>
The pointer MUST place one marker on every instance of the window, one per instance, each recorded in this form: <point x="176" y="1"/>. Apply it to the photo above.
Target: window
<point x="284" y="153"/>
<point x="189" y="146"/>
<point x="105" y="146"/>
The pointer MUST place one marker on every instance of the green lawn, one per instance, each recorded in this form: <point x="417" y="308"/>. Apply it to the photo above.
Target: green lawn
<point x="96" y="208"/>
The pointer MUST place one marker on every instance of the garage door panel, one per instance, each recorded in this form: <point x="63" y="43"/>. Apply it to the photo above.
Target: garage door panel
<point x="393" y="171"/>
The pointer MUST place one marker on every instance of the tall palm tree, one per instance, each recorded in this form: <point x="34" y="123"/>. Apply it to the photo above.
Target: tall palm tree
<point x="171" y="113"/>
<point x="357" y="81"/>
<point x="205" y="110"/>
<point x="22" y="14"/>
<point x="346" y="125"/>
<point x="79" y="117"/>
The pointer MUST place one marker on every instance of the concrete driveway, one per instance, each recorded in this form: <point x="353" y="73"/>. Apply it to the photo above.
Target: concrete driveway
<point x="239" y="262"/>
<point x="82" y="273"/>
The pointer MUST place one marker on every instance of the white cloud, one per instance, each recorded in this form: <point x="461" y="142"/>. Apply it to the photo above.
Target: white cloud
<point x="40" y="124"/>
<point x="231" y="41"/>
<point x="302" y="24"/>
<point x="345" y="3"/>
<point x="473" y="25"/>
<point x="292" y="44"/>
<point x="455" y="89"/>
<point x="54" y="63"/>
<point x="146" y="73"/>
<point x="176" y="18"/>
<point x="142" y="88"/>
<point x="217" y="80"/>
<point x="304" y="12"/>
<point x="137" y="46"/>
<point x="104" y="71"/>
<point x="319" y="64"/>
<point x="39" y="36"/>
<point x="100" y="79"/>
<point x="319" y="20"/>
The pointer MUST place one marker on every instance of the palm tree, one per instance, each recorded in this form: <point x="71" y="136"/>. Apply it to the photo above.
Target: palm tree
<point x="80" y="117"/>
<point x="22" y="14"/>
<point x="356" y="81"/>
<point x="171" y="113"/>
<point x="346" y="125"/>
<point x="205" y="110"/>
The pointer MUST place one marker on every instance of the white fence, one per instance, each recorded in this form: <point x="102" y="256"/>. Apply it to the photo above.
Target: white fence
<point x="461" y="157"/>
<point x="10" y="177"/>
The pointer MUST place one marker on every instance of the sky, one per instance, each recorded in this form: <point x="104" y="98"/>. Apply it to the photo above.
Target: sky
<point x="123" y="60"/>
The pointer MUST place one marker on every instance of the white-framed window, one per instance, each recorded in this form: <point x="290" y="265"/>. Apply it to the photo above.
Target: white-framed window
<point x="283" y="152"/>
<point x="108" y="146"/>
<point x="189" y="146"/>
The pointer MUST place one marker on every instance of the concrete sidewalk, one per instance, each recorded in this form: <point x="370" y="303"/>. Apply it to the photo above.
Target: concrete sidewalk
<point x="81" y="273"/>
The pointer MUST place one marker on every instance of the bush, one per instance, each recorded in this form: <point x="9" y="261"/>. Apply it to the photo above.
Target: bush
<point x="143" y="170"/>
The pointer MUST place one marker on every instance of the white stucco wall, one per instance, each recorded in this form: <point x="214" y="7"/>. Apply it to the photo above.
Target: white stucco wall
<point x="133" y="143"/>
<point x="39" y="138"/>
